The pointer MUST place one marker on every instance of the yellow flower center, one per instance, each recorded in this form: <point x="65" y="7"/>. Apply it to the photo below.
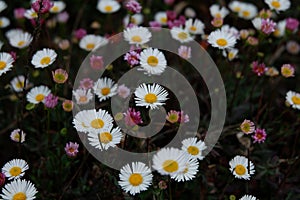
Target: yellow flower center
<point x="135" y="179"/>
<point x="21" y="43"/>
<point x="105" y="137"/>
<point x="296" y="100"/>
<point x="19" y="196"/>
<point x="136" y="38"/>
<point x="275" y="4"/>
<point x="246" y="127"/>
<point x="163" y="20"/>
<point x="152" y="61"/>
<point x="40" y="97"/>
<point x="15" y="171"/>
<point x="59" y="77"/>
<point x="105" y="91"/>
<point x="2" y="65"/>
<point x="45" y="61"/>
<point x="218" y="15"/>
<point x="246" y="13"/>
<point x="182" y="35"/>
<point x="230" y="55"/>
<point x="221" y="42"/>
<point x="19" y="84"/>
<point x="108" y="8"/>
<point x="97" y="123"/>
<point x="193" y="28"/>
<point x="170" y="166"/>
<point x="240" y="170"/>
<point x="173" y="118"/>
<point x="286" y="72"/>
<point x="193" y="150"/>
<point x="237" y="9"/>
<point x="34" y="15"/>
<point x="90" y="46"/>
<point x="83" y="99"/>
<point x="276" y="32"/>
<point x="55" y="8"/>
<point x="150" y="98"/>
<point x="17" y="137"/>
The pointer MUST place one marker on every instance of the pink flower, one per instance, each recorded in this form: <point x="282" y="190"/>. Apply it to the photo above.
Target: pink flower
<point x="287" y="70"/>
<point x="132" y="57"/>
<point x="292" y="24"/>
<point x="183" y="118"/>
<point x="155" y="24"/>
<point x="86" y="83"/>
<point x="169" y="2"/>
<point x="96" y="62"/>
<point x="171" y="15"/>
<point x="2" y="179"/>
<point x="51" y="101"/>
<point x="13" y="55"/>
<point x="217" y="22"/>
<point x="268" y="26"/>
<point x="19" y="13"/>
<point x="63" y="17"/>
<point x="123" y="91"/>
<point x="184" y="52"/>
<point x="46" y="6"/>
<point x="247" y="126"/>
<point x="252" y="40"/>
<point x="60" y="76"/>
<point x="71" y="149"/>
<point x="293" y="47"/>
<point x="80" y="33"/>
<point x="132" y="117"/>
<point x="133" y="6"/>
<point x="68" y="105"/>
<point x="162" y="185"/>
<point x="259" y="68"/>
<point x="259" y="135"/>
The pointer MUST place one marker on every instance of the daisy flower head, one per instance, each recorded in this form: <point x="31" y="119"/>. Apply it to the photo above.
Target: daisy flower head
<point x="37" y="94"/>
<point x="189" y="172"/>
<point x="20" y="39"/>
<point x="135" y="19"/>
<point x="248" y="197"/>
<point x="239" y="167"/>
<point x="105" y="88"/>
<point x="231" y="54"/>
<point x="259" y="68"/>
<point x="132" y="117"/>
<point x="132" y="58"/>
<point x="135" y="178"/>
<point x="152" y="61"/>
<point x="123" y="91"/>
<point x="137" y="35"/>
<point x="3" y="6"/>
<point x="58" y="6"/>
<point x="150" y="95"/>
<point x="6" y="61"/>
<point x="193" y="147"/>
<point x="133" y="6"/>
<point x="247" y="127"/>
<point x="98" y="120"/>
<point x="280" y="29"/>
<point x="71" y="149"/>
<point x="91" y="42"/>
<point x="259" y="136"/>
<point x="293" y="47"/>
<point x="15" y="168"/>
<point x="161" y="17"/>
<point x="272" y="71"/>
<point x="195" y="26"/>
<point x="170" y="161"/>
<point x="221" y="39"/>
<point x="17" y="83"/>
<point x="4" y="22"/>
<point x="235" y="6"/>
<point x="18" y="135"/>
<point x="68" y="105"/>
<point x="105" y="138"/>
<point x="185" y="52"/>
<point x="218" y="12"/>
<point x="60" y="76"/>
<point x="287" y="70"/>
<point x="81" y="122"/>
<point x="82" y="96"/>
<point x="172" y="116"/>
<point x="181" y="35"/>
<point x="19" y="190"/>
<point x="231" y="30"/>
<point x="248" y="11"/>
<point x="278" y="5"/>
<point x="293" y="99"/>
<point x="108" y="6"/>
<point x="86" y="83"/>
<point x="43" y="58"/>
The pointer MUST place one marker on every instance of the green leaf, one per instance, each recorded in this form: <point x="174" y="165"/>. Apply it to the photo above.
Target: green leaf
<point x="30" y="106"/>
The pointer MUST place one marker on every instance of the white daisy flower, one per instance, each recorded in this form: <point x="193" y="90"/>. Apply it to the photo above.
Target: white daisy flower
<point x="20" y="39"/>
<point x="105" y="138"/>
<point x="248" y="197"/>
<point x="239" y="167"/>
<point x="180" y="34"/>
<point x="108" y="6"/>
<point x="58" y="6"/>
<point x="137" y="35"/>
<point x="4" y="22"/>
<point x="15" y="168"/>
<point x="150" y="95"/>
<point x="280" y="29"/>
<point x="231" y="54"/>
<point x="136" y="19"/>
<point x="170" y="161"/>
<point x="18" y="134"/>
<point x="248" y="11"/>
<point x="293" y="99"/>
<point x="6" y="61"/>
<point x="19" y="190"/>
<point x="43" y="58"/>
<point x="105" y="88"/>
<point x="38" y="94"/>
<point x="152" y="61"/>
<point x="221" y="39"/>
<point x="195" y="27"/>
<point x="92" y="120"/>
<point x="189" y="172"/>
<point x="257" y="23"/>
<point x="161" y="17"/>
<point x="82" y="96"/>
<point x="235" y="6"/>
<point x="194" y="148"/>
<point x="231" y="30"/>
<point x="12" y="32"/>
<point x="135" y="178"/>
<point x="3" y="6"/>
<point x="17" y="83"/>
<point x="218" y="12"/>
<point x="91" y="42"/>
<point x="278" y="5"/>
<point x="30" y="14"/>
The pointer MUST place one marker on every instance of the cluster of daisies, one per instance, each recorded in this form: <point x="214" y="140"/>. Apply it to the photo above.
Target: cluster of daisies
<point x="248" y="128"/>
<point x="17" y="188"/>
